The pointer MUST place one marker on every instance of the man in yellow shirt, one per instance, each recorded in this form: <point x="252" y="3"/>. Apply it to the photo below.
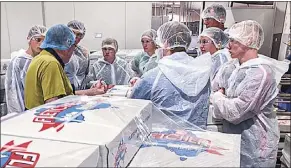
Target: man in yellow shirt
<point x="46" y="79"/>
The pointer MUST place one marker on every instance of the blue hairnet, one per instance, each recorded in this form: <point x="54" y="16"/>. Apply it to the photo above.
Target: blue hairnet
<point x="58" y="37"/>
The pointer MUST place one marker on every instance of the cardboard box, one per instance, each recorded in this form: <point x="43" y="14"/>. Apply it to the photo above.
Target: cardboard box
<point x="285" y="158"/>
<point x="116" y="125"/>
<point x="2" y="96"/>
<point x="284" y="123"/>
<point x="32" y="152"/>
<point x="3" y="109"/>
<point x="119" y="90"/>
<point x="4" y="65"/>
<point x="179" y="148"/>
<point x="2" y="80"/>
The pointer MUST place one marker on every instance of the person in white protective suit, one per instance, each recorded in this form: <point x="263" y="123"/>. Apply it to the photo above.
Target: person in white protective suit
<point x="214" y="16"/>
<point x="214" y="41"/>
<point x="111" y="69"/>
<point x="180" y="84"/>
<point x="16" y="72"/>
<point x="246" y="88"/>
<point x="147" y="59"/>
<point x="78" y="66"/>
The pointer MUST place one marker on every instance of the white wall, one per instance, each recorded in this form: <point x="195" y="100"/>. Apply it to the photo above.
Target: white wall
<point x="15" y="24"/>
<point x="124" y="21"/>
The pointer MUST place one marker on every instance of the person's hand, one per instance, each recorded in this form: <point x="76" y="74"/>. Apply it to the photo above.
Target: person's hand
<point x="133" y="81"/>
<point x="110" y="86"/>
<point x="101" y="85"/>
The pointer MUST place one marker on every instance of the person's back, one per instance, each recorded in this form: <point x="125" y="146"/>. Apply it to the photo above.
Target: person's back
<point x="180" y="85"/>
<point x="39" y="76"/>
<point x="156" y="85"/>
<point x="46" y="80"/>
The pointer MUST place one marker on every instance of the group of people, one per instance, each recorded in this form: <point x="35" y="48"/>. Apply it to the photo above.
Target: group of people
<point x="229" y="79"/>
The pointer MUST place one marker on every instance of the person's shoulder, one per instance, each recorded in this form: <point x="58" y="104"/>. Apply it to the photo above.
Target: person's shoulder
<point x="44" y="59"/>
<point x="153" y="73"/>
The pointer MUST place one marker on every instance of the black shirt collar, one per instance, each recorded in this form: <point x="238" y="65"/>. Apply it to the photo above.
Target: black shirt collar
<point x="54" y="53"/>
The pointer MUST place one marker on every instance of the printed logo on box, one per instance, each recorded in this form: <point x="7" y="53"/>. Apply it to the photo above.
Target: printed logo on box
<point x="17" y="155"/>
<point x="57" y="116"/>
<point x="120" y="155"/>
<point x="182" y="143"/>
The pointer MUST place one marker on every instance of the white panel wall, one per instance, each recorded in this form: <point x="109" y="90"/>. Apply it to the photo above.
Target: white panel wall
<point x="20" y="20"/>
<point x="124" y="21"/>
<point x="58" y="12"/>
<point x="5" y="41"/>
<point x="107" y="18"/>
<point x="263" y="16"/>
<point x="137" y="21"/>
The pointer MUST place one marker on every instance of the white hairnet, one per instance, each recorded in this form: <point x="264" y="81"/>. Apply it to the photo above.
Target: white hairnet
<point x="173" y="34"/>
<point x="216" y="12"/>
<point x="217" y="36"/>
<point x="36" y="30"/>
<point x="151" y="34"/>
<point x="110" y="42"/>
<point x="78" y="26"/>
<point x="249" y="33"/>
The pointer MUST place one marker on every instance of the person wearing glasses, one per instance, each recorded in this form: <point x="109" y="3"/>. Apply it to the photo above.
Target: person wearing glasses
<point x="46" y="79"/>
<point x="111" y="69"/>
<point x="16" y="72"/>
<point x="246" y="104"/>
<point x="78" y="66"/>
<point x="214" y="41"/>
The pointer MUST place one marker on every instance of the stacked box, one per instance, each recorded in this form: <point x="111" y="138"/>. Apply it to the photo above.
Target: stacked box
<point x="284" y="123"/>
<point x="285" y="158"/>
<point x="3" y="109"/>
<point x="4" y="66"/>
<point x="181" y="148"/>
<point x="32" y="152"/>
<point x="3" y="69"/>
<point x="117" y="126"/>
<point x="120" y="90"/>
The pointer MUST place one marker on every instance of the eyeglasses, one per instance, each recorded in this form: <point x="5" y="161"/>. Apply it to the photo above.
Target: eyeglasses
<point x="78" y="34"/>
<point x="204" y="41"/>
<point x="38" y="39"/>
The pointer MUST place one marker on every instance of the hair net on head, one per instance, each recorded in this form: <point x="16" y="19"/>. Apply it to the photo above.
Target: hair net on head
<point x="77" y="25"/>
<point x="151" y="34"/>
<point x="173" y="34"/>
<point x="216" y="12"/>
<point x="110" y="42"/>
<point x="36" y="30"/>
<point x="58" y="37"/>
<point x="249" y="33"/>
<point x="218" y="37"/>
